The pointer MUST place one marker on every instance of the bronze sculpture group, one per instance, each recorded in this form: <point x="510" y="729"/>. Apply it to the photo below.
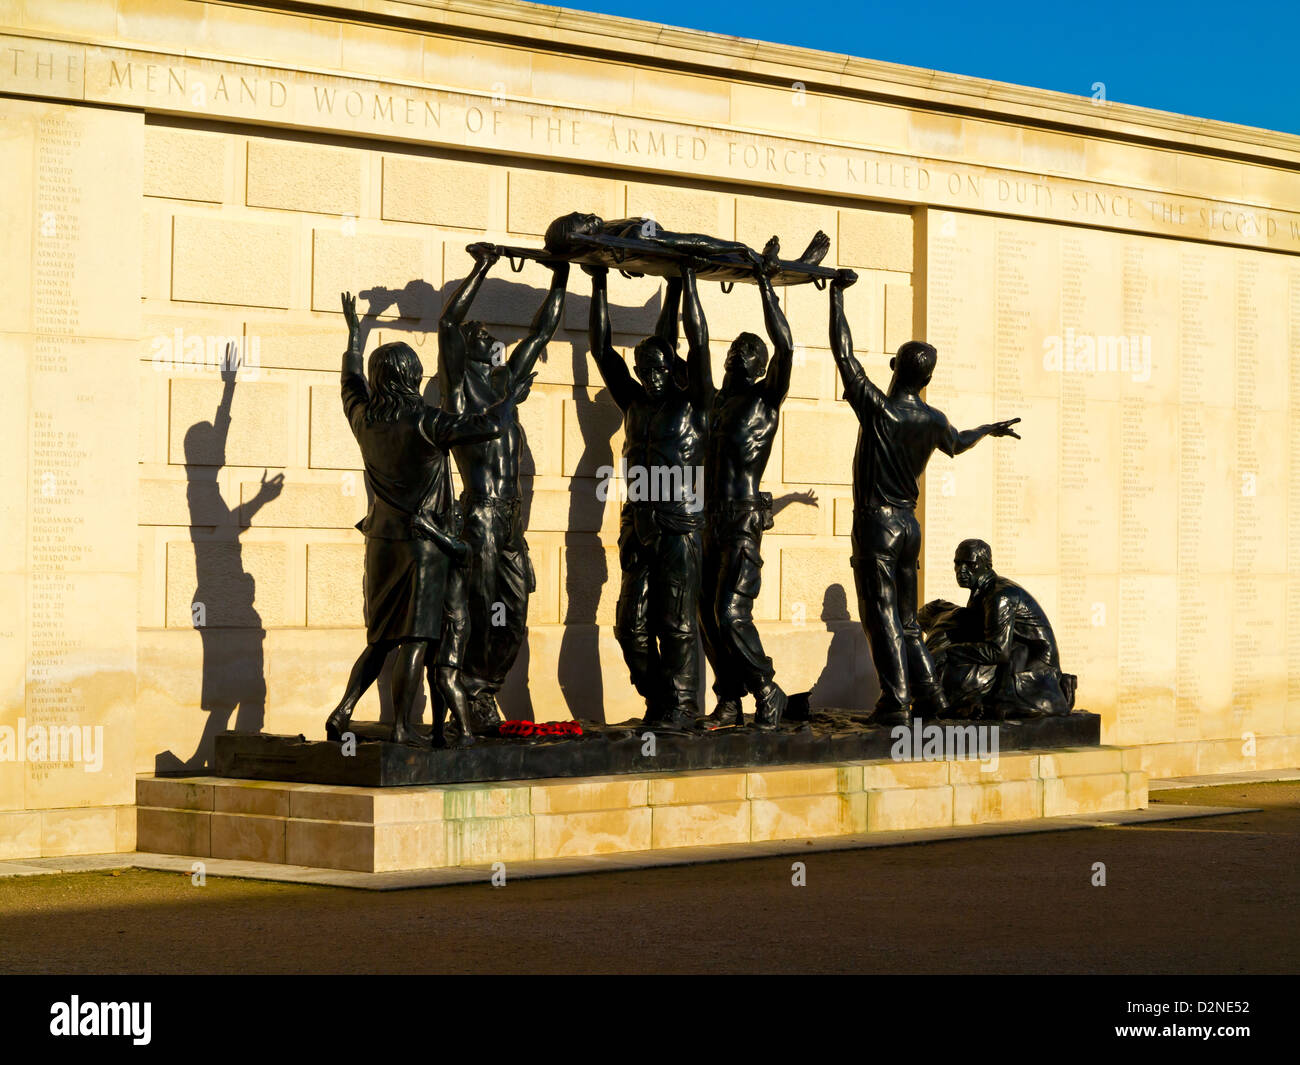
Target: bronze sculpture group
<point x="447" y="584"/>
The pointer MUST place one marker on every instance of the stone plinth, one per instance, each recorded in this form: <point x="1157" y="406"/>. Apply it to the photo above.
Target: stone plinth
<point x="429" y="827"/>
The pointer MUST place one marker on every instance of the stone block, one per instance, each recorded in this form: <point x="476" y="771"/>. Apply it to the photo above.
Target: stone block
<point x="483" y="841"/>
<point x="398" y="53"/>
<point x="126" y="838"/>
<point x="590" y="580"/>
<point x="583" y="796"/>
<point x="248" y="839"/>
<point x="899" y="327"/>
<point x="797" y="817"/>
<point x="169" y="501"/>
<point x="20" y="834"/>
<point x="224" y="260"/>
<point x="700" y="824"/>
<point x="793" y="221"/>
<point x="289" y="346"/>
<point x="410" y="845"/>
<point x="1004" y="800"/>
<point x="304" y="506"/>
<point x="320" y="802"/>
<point x="391" y="275"/>
<point x="808" y="574"/>
<point x="291" y="176"/>
<point x="258" y="434"/>
<point x="437" y="192"/>
<point x="88" y="831"/>
<point x="251" y="797"/>
<point x="244" y="586"/>
<point x="174" y="794"/>
<point x="160" y="831"/>
<point x="331" y="444"/>
<point x="1080" y="761"/>
<point x="480" y="801"/>
<point x="536" y="198"/>
<point x="818" y="445"/>
<point x="855" y="811"/>
<point x="1089" y="794"/>
<point x="875" y="240"/>
<point x="185" y="164"/>
<point x="1008" y="767"/>
<point x="330" y="845"/>
<point x="683" y="210"/>
<point x="784" y="783"/>
<point x="843" y="516"/>
<point x="709" y="786"/>
<point x="577" y="510"/>
<point x="877" y="776"/>
<point x="334" y="585"/>
<point x="576" y="833"/>
<point x="798" y="516"/>
<point x="593" y="434"/>
<point x="897" y="809"/>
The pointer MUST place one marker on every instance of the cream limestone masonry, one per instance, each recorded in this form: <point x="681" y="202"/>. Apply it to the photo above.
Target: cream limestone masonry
<point x="382" y="830"/>
<point x="225" y="169"/>
<point x="70" y="330"/>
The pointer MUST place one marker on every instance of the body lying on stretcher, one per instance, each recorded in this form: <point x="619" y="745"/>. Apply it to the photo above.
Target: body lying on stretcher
<point x="639" y="246"/>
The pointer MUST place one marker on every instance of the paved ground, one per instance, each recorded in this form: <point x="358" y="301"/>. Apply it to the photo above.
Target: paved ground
<point x="1215" y="895"/>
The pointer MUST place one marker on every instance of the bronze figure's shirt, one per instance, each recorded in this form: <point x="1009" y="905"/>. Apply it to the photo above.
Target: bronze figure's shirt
<point x="895" y="441"/>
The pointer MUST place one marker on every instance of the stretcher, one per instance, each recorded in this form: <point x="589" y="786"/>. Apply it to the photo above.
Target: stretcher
<point x="641" y="258"/>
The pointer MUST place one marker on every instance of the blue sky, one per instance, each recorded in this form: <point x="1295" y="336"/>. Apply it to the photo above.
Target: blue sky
<point x="1237" y="61"/>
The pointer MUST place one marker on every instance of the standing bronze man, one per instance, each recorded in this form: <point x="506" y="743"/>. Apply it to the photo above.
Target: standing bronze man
<point x="487" y="600"/>
<point x="743" y="419"/>
<point x="664" y="423"/>
<point x="899" y="432"/>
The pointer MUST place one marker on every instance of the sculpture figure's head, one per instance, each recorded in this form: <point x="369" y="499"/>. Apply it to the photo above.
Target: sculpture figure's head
<point x="479" y="343"/>
<point x="746" y="361"/>
<point x="653" y="363"/>
<point x="973" y="563"/>
<point x="913" y="366"/>
<point x="395" y="374"/>
<point x="560" y="233"/>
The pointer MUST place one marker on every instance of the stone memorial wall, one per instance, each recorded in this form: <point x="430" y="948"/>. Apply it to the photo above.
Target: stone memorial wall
<point x="1148" y="504"/>
<point x="194" y="175"/>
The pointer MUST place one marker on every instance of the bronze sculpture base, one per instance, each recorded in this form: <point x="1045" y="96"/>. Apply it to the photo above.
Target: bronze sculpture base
<point x="602" y="750"/>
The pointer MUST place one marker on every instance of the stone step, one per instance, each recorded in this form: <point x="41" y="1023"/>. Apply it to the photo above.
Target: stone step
<point x="451" y="825"/>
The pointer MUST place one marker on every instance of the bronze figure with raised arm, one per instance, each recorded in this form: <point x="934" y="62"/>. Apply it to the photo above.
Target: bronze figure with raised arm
<point x="898" y="433"/>
<point x="664" y="420"/>
<point x="743" y="418"/>
<point x="487" y="597"/>
<point x="409" y="547"/>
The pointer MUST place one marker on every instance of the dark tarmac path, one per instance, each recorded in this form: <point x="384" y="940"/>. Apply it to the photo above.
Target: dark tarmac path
<point x="1213" y="895"/>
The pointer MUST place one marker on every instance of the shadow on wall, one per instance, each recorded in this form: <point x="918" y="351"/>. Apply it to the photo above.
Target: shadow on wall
<point x="222" y="608"/>
<point x="839" y="684"/>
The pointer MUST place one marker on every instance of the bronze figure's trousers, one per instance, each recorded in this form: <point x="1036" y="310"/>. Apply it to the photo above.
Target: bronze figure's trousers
<point x="732" y="577"/>
<point x="886" y="549"/>
<point x="655" y="620"/>
<point x="487" y="605"/>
